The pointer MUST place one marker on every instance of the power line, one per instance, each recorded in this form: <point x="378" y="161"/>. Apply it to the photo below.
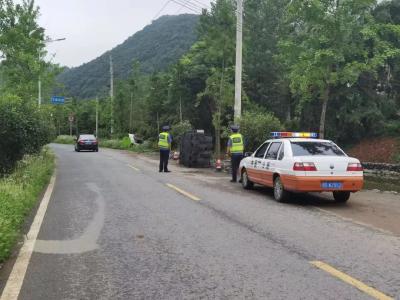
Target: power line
<point x="161" y="10"/>
<point x="184" y="4"/>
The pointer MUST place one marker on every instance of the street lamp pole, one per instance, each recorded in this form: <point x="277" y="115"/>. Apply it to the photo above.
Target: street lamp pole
<point x="39" y="79"/>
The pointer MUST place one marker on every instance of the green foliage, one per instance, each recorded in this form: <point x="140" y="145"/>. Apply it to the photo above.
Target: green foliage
<point x="125" y="144"/>
<point x="19" y="193"/>
<point x="178" y="130"/>
<point x="331" y="66"/>
<point x="256" y="127"/>
<point x="330" y="44"/>
<point x="156" y="47"/>
<point x="65" y="139"/>
<point x="23" y="130"/>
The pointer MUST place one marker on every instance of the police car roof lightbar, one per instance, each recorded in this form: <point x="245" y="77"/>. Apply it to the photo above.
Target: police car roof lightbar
<point x="278" y="135"/>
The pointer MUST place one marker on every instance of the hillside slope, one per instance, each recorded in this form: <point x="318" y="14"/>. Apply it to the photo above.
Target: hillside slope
<point x="156" y="47"/>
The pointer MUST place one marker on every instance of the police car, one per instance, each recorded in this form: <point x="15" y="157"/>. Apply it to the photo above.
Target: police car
<point x="300" y="162"/>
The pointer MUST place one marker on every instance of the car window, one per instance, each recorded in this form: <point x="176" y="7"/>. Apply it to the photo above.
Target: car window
<point x="261" y="151"/>
<point x="316" y="148"/>
<point x="87" y="137"/>
<point x="273" y="151"/>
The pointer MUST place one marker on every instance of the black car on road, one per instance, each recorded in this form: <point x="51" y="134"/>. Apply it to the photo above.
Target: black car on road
<point x="86" y="142"/>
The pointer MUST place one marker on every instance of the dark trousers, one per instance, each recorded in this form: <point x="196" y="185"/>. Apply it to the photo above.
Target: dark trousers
<point x="235" y="161"/>
<point x="164" y="157"/>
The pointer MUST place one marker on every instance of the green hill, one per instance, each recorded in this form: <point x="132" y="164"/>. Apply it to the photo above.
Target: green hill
<point x="156" y="47"/>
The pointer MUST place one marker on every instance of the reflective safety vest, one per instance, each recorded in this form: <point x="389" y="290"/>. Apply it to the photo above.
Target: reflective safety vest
<point x="163" y="140"/>
<point x="237" y="143"/>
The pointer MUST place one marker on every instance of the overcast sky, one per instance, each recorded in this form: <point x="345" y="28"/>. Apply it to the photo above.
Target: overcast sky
<point x="92" y="27"/>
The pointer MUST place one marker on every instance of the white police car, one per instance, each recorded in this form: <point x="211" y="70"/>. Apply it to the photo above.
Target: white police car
<point x="300" y="162"/>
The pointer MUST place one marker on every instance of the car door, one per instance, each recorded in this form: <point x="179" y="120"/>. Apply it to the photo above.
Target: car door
<point x="270" y="163"/>
<point x="255" y="168"/>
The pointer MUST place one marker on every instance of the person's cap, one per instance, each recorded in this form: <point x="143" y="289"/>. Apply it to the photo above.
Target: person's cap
<point x="166" y="127"/>
<point x="235" y="127"/>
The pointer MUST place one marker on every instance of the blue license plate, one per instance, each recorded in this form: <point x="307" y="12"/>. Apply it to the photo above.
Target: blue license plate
<point x="88" y="143"/>
<point x="331" y="185"/>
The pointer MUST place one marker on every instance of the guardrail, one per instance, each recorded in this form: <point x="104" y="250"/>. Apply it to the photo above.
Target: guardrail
<point x="381" y="167"/>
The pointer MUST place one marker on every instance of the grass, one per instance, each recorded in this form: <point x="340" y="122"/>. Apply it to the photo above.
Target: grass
<point x="65" y="139"/>
<point x="382" y="183"/>
<point x="19" y="193"/>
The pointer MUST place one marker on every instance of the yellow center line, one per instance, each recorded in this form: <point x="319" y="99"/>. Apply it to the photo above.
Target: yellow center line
<point x="132" y="167"/>
<point x="194" y="198"/>
<point x="350" y="280"/>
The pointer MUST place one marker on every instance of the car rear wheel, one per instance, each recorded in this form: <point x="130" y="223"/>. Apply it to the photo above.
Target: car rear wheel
<point x="77" y="149"/>
<point x="341" y="196"/>
<point x="246" y="183"/>
<point x="280" y="194"/>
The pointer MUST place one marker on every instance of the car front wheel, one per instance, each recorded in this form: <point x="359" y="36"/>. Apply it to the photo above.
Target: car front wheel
<point x="246" y="183"/>
<point x="280" y="194"/>
<point x="341" y="197"/>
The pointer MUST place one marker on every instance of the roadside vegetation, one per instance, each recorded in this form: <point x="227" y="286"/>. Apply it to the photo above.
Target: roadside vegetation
<point x="327" y="66"/>
<point x="25" y="166"/>
<point x="19" y="193"/>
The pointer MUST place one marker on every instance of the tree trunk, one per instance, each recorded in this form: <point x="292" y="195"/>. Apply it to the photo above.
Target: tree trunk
<point x="324" y="98"/>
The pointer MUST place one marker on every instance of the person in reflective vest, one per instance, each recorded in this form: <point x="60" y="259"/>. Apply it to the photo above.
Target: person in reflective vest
<point x="164" y="144"/>
<point x="235" y="149"/>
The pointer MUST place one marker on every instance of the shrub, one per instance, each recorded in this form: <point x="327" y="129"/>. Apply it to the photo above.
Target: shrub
<point x="256" y="128"/>
<point x="24" y="129"/>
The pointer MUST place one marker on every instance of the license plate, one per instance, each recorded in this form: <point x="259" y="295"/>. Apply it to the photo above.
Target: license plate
<point x="88" y="143"/>
<point x="331" y="185"/>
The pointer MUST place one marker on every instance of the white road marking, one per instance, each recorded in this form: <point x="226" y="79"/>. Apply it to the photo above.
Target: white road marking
<point x="16" y="278"/>
<point x="87" y="241"/>
<point x="134" y="168"/>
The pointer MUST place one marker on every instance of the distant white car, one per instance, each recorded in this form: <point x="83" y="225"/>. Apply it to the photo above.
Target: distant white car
<point x="299" y="162"/>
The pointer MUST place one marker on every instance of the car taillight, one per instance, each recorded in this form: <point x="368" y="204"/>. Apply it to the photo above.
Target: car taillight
<point x="81" y="142"/>
<point x="306" y="167"/>
<point x="94" y="142"/>
<point x="354" y="167"/>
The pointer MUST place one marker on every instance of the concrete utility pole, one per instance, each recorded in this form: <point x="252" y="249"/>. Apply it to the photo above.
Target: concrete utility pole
<point x="130" y="114"/>
<point x="112" y="95"/>
<point x="97" y="117"/>
<point x="238" y="68"/>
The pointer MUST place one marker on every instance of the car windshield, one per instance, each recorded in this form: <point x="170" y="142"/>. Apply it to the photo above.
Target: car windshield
<point x="316" y="149"/>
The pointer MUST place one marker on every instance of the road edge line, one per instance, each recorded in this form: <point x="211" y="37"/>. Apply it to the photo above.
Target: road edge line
<point x="15" y="280"/>
<point x="193" y="197"/>
<point x="351" y="281"/>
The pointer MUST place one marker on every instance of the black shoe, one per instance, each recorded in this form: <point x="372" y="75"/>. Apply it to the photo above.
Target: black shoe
<point x="167" y="171"/>
<point x="160" y="171"/>
<point x="233" y="180"/>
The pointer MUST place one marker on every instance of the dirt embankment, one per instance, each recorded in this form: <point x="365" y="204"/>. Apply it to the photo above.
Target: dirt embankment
<point x="377" y="150"/>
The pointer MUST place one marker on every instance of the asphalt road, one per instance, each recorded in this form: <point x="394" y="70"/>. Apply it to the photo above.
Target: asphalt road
<point x="115" y="228"/>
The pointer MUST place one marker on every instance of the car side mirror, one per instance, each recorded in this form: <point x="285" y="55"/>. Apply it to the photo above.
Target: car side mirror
<point x="247" y="154"/>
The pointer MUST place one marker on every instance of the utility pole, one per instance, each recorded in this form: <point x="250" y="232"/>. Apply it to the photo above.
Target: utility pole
<point x="130" y="115"/>
<point x="112" y="95"/>
<point x="238" y="68"/>
<point x="97" y="117"/>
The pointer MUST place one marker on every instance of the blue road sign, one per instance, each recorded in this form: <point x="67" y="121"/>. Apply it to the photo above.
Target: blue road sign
<point x="57" y="100"/>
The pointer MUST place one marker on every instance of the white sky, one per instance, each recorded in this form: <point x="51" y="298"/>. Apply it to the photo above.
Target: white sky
<point x="92" y="27"/>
